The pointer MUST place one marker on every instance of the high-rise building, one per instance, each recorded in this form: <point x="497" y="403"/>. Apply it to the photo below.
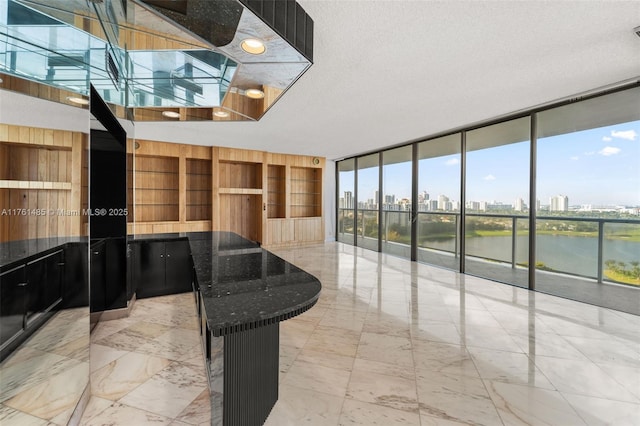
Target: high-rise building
<point x="348" y="199"/>
<point x="442" y="202"/>
<point x="559" y="203"/>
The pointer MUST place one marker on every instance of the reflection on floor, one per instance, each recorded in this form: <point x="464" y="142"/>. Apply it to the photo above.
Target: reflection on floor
<point x="398" y="343"/>
<point x="148" y="368"/>
<point x="389" y="343"/>
<point x="620" y="297"/>
<point x="42" y="381"/>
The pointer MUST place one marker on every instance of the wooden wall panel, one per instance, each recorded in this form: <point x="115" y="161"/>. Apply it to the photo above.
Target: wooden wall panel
<point x="40" y="182"/>
<point x="242" y="214"/>
<point x="240" y="175"/>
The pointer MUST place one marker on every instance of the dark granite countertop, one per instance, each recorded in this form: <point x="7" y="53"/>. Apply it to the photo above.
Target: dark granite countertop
<point x="244" y="286"/>
<point x="20" y="251"/>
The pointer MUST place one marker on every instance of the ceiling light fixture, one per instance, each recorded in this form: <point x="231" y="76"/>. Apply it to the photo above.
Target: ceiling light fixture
<point x="253" y="46"/>
<point x="222" y="114"/>
<point x="171" y="114"/>
<point x="77" y="100"/>
<point x="254" y="93"/>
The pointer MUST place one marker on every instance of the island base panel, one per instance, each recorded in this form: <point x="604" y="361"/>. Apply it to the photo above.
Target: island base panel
<point x="247" y="363"/>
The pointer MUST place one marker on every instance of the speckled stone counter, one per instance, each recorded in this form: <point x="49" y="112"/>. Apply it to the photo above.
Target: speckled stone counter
<point x="21" y="251"/>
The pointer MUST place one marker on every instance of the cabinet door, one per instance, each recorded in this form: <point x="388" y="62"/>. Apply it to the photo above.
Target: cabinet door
<point x="36" y="277"/>
<point x="152" y="265"/>
<point x="54" y="276"/>
<point x="98" y="278"/>
<point x="12" y="303"/>
<point x="179" y="272"/>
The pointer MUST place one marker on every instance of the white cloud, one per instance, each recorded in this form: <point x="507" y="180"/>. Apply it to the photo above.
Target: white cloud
<point x="630" y="135"/>
<point x="452" y="162"/>
<point x="575" y="158"/>
<point x="590" y="153"/>
<point x="609" y="150"/>
<point x="489" y="177"/>
<point x="606" y="139"/>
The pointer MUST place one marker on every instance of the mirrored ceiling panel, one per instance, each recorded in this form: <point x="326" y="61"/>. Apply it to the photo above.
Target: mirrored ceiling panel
<point x="194" y="57"/>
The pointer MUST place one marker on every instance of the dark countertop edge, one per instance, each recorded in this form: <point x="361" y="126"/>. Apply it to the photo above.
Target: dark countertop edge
<point x="57" y="245"/>
<point x="223" y="330"/>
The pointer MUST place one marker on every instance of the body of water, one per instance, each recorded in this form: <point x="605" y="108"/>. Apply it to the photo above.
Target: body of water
<point x="575" y="255"/>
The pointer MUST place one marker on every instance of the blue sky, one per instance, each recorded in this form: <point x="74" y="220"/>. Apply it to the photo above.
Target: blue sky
<point x="599" y="166"/>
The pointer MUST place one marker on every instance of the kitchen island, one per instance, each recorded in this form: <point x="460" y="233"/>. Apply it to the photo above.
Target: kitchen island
<point x="242" y="293"/>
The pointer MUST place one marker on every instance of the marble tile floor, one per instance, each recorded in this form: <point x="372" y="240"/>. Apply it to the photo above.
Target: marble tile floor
<point x="148" y="368"/>
<point x="42" y="381"/>
<point x="390" y="342"/>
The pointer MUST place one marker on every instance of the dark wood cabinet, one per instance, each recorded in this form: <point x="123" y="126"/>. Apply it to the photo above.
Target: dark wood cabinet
<point x="13" y="286"/>
<point x="164" y="268"/>
<point x="30" y="293"/>
<point x="44" y="284"/>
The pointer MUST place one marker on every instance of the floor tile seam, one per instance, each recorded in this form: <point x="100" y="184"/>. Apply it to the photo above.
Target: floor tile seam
<point x="99" y="412"/>
<point x="569" y="393"/>
<point x="171" y="419"/>
<point x="581" y="414"/>
<point x="2" y="404"/>
<point x="536" y="388"/>
<point x="622" y="386"/>
<point x="536" y="366"/>
<point x="119" y="400"/>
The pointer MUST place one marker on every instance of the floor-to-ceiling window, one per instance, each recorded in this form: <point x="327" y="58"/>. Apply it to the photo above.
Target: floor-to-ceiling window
<point x="368" y="199"/>
<point x="439" y="201"/>
<point x="396" y="201"/>
<point x="588" y="190"/>
<point x="563" y="180"/>
<point x="346" y="200"/>
<point x="496" y="204"/>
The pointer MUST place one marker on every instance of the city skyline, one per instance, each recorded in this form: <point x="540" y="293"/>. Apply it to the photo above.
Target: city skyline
<point x="597" y="167"/>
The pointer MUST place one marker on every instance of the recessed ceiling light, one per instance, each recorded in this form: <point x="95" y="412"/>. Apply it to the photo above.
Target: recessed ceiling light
<point x="220" y="113"/>
<point x="77" y="100"/>
<point x="254" y="93"/>
<point x="171" y="114"/>
<point x="253" y="46"/>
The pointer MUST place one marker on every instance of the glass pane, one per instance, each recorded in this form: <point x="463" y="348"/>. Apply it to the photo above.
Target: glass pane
<point x="368" y="199"/>
<point x="588" y="190"/>
<point x="438" y="201"/>
<point x="497" y="187"/>
<point x="396" y="201"/>
<point x="346" y="204"/>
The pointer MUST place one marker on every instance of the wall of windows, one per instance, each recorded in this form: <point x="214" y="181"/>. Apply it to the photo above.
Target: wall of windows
<point x="548" y="200"/>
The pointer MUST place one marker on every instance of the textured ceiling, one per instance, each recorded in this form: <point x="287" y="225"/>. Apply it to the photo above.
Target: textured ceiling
<point x="388" y="72"/>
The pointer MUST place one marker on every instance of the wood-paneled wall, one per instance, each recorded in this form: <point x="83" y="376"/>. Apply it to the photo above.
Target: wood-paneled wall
<point x="43" y="182"/>
<point x="169" y="183"/>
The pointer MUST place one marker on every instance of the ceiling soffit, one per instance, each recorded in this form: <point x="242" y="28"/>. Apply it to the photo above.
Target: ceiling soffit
<point x="147" y="57"/>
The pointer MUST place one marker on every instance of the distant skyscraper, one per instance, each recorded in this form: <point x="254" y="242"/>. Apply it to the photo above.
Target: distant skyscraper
<point x="519" y="205"/>
<point x="348" y="199"/>
<point x="559" y="203"/>
<point x="389" y="199"/>
<point x="442" y="202"/>
<point x="433" y="205"/>
<point x="473" y="205"/>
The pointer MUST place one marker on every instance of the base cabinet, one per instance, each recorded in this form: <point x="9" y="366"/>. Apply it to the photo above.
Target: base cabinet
<point x="13" y="296"/>
<point x="29" y="295"/>
<point x="164" y="268"/>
